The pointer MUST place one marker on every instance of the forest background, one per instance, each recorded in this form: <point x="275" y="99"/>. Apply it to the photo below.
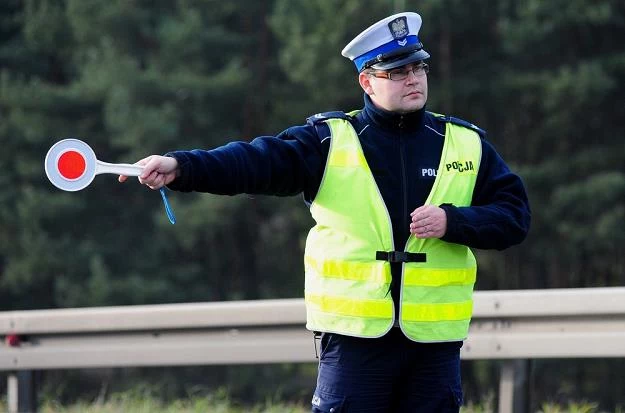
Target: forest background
<point x="546" y="79"/>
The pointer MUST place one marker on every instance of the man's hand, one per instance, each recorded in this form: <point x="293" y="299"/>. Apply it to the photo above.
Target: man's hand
<point x="428" y="221"/>
<point x="158" y="171"/>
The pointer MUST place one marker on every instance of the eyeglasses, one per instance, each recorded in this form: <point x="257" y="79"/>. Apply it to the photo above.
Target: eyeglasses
<point x="418" y="70"/>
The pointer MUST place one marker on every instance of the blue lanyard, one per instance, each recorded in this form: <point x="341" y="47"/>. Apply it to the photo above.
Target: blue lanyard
<point x="168" y="210"/>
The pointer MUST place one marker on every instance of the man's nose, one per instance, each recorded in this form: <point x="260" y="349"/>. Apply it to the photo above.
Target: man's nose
<point x="412" y="77"/>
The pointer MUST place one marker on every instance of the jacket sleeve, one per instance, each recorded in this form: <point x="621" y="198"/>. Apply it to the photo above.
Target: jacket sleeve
<point x="499" y="215"/>
<point x="286" y="164"/>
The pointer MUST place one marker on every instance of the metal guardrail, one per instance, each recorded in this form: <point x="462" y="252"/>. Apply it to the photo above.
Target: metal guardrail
<point x="509" y="325"/>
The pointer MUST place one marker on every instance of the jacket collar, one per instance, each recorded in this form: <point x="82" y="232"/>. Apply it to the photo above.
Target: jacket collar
<point x="409" y="122"/>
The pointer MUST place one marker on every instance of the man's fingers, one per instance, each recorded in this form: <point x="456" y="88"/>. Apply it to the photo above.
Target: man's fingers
<point x="157" y="171"/>
<point x="428" y="221"/>
<point x="150" y="164"/>
<point x="421" y="218"/>
<point x="148" y="176"/>
<point x="144" y="161"/>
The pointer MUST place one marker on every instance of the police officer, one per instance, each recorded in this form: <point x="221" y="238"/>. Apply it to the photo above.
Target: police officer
<point x="399" y="195"/>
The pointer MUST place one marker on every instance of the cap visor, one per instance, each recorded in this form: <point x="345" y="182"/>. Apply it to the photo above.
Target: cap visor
<point x="402" y="60"/>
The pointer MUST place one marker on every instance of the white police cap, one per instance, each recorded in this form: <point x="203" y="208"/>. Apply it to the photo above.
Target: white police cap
<point x="392" y="42"/>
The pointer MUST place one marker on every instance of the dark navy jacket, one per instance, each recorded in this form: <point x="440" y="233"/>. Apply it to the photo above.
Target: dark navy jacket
<point x="403" y="152"/>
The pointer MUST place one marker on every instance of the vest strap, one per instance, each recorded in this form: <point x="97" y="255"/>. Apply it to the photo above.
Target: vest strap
<point x="400" y="256"/>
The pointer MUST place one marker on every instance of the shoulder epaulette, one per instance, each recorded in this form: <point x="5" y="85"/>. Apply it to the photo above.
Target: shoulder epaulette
<point x="320" y="117"/>
<point x="461" y="122"/>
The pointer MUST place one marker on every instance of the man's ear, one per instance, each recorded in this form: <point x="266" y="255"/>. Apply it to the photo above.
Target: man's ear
<point x="365" y="83"/>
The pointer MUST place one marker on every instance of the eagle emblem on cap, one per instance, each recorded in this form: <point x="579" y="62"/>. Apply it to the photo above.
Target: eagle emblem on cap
<point x="399" y="28"/>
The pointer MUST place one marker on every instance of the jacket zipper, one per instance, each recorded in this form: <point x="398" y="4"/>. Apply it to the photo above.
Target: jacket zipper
<point x="403" y="172"/>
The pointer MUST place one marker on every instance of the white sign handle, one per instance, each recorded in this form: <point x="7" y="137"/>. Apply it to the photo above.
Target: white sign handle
<point x="118" y="168"/>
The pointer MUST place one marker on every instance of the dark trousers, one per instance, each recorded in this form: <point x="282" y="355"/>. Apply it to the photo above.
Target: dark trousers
<point x="391" y="374"/>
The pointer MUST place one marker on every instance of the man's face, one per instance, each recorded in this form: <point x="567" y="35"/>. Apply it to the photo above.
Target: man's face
<point x="401" y="96"/>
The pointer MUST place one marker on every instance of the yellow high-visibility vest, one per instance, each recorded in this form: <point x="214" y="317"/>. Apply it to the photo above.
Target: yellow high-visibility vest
<point x="347" y="288"/>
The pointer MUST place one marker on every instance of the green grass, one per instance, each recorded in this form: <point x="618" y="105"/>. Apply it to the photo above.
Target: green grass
<point x="138" y="402"/>
<point x="150" y="406"/>
<point x="131" y="402"/>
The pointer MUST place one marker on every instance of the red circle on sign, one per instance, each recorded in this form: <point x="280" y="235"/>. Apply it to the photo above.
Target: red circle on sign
<point x="71" y="165"/>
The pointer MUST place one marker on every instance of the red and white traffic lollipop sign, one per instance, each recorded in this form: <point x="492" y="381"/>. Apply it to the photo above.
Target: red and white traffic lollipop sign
<point x="71" y="165"/>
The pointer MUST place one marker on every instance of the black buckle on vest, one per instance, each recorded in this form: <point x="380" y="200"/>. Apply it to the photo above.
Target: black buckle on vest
<point x="400" y="256"/>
